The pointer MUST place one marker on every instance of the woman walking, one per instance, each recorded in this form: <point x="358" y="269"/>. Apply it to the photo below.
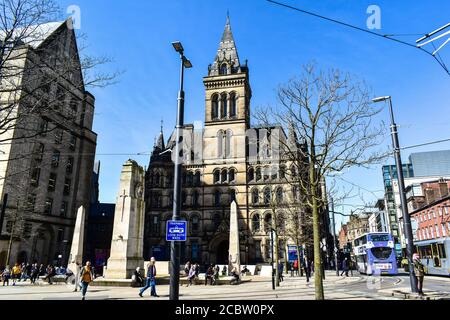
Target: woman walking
<point x="87" y="276"/>
<point x="151" y="279"/>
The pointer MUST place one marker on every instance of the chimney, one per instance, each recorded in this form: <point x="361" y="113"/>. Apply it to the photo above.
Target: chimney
<point x="443" y="189"/>
<point x="429" y="195"/>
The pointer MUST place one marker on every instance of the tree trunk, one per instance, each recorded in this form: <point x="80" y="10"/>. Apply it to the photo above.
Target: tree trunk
<point x="298" y="258"/>
<point x="318" y="281"/>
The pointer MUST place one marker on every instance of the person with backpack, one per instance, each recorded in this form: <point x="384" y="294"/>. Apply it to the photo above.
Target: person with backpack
<point x="151" y="279"/>
<point x="86" y="277"/>
<point x="419" y="271"/>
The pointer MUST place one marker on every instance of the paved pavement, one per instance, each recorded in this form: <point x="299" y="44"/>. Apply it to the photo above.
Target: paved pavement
<point x="358" y="287"/>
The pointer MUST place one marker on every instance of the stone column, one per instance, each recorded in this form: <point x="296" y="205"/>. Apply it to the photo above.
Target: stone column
<point x="234" y="252"/>
<point x="76" y="251"/>
<point x="128" y="231"/>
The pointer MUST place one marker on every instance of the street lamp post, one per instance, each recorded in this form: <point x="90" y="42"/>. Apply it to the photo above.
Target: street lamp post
<point x="174" y="245"/>
<point x="401" y="185"/>
<point x="334" y="238"/>
<point x="271" y="254"/>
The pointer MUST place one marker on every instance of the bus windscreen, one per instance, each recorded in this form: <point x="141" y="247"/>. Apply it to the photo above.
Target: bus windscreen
<point x="379" y="237"/>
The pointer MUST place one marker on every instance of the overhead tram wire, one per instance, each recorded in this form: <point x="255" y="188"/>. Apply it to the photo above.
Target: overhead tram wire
<point x="384" y="36"/>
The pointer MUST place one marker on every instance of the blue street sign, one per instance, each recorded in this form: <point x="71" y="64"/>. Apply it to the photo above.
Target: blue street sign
<point x="176" y="230"/>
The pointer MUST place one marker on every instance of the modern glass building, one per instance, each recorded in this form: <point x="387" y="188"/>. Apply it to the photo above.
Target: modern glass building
<point x="390" y="174"/>
<point x="434" y="163"/>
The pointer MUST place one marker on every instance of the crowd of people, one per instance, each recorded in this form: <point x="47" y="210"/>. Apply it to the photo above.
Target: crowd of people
<point x="31" y="272"/>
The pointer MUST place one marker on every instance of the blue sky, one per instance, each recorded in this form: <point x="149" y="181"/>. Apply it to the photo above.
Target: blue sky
<point x="276" y="41"/>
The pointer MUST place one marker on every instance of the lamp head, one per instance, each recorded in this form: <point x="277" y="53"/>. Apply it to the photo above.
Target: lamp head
<point x="187" y="63"/>
<point x="381" y="99"/>
<point x="178" y="47"/>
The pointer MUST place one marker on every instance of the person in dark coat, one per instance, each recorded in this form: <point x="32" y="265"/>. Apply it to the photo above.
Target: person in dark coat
<point x="345" y="266"/>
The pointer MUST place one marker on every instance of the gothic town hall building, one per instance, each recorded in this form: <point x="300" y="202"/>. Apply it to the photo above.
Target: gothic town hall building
<point x="226" y="171"/>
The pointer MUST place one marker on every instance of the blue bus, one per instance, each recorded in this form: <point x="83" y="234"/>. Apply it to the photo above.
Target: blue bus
<point x="375" y="254"/>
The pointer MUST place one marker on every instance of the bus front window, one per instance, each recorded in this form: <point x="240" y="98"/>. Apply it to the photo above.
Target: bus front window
<point x="381" y="253"/>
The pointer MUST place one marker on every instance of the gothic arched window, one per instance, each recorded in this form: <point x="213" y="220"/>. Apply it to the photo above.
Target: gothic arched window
<point x="268" y="222"/>
<point x="267" y="196"/>
<point x="251" y="174"/>
<point x="197" y="179"/>
<point x="195" y="224"/>
<point x="220" y="144"/>
<point x="229" y="135"/>
<point x="279" y="195"/>
<point x="223" y="69"/>
<point x="215" y="106"/>
<point x="216" y="176"/>
<point x="258" y="174"/>
<point x="157" y="179"/>
<point x="231" y="175"/>
<point x="190" y="178"/>
<point x="224" y="176"/>
<point x="233" y="110"/>
<point x="255" y="196"/>
<point x="256" y="223"/>
<point x="224" y="106"/>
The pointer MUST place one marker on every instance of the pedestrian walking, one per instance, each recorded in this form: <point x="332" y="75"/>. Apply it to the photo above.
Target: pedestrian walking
<point x="34" y="273"/>
<point x="187" y="268"/>
<point x="296" y="266"/>
<point x="419" y="272"/>
<point x="6" y="275"/>
<point x="51" y="272"/>
<point x="86" y="276"/>
<point x="191" y="276"/>
<point x="307" y="268"/>
<point x="280" y="271"/>
<point x="345" y="267"/>
<point x="151" y="279"/>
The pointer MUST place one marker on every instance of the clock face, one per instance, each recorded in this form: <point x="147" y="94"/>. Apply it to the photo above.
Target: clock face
<point x="138" y="190"/>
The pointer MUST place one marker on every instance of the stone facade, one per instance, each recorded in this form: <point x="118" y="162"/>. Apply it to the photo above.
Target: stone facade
<point x="231" y="160"/>
<point x="46" y="175"/>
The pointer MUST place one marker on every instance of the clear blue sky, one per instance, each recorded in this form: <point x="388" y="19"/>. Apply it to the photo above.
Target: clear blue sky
<point x="276" y="41"/>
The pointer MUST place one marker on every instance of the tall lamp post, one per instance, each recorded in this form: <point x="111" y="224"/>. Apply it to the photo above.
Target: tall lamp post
<point x="272" y="239"/>
<point x="401" y="185"/>
<point x="334" y="237"/>
<point x="174" y="245"/>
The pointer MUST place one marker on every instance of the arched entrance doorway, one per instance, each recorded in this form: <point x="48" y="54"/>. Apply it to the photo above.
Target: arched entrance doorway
<point x="222" y="252"/>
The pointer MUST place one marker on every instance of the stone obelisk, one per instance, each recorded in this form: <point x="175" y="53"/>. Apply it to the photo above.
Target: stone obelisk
<point x="128" y="231"/>
<point x="234" y="256"/>
<point x="76" y="251"/>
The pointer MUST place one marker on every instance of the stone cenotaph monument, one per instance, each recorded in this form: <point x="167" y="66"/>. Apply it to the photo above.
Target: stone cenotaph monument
<point x="234" y="254"/>
<point x="128" y="230"/>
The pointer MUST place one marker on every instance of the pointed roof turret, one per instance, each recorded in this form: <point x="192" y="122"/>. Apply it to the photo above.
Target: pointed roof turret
<point x="160" y="142"/>
<point x="226" y="54"/>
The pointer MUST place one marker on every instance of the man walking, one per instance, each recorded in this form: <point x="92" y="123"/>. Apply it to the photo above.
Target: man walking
<point x="151" y="279"/>
<point x="419" y="271"/>
<point x="345" y="267"/>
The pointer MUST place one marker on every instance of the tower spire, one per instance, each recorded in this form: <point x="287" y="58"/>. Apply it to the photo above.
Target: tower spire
<point x="227" y="53"/>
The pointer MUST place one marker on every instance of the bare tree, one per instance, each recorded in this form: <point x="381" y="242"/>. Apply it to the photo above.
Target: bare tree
<point x="332" y="113"/>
